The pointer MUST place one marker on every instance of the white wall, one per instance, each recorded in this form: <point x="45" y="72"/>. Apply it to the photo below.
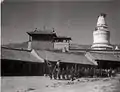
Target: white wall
<point x="101" y="37"/>
<point x="61" y="45"/>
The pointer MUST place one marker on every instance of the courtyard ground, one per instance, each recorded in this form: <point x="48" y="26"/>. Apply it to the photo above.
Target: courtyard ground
<point x="44" y="84"/>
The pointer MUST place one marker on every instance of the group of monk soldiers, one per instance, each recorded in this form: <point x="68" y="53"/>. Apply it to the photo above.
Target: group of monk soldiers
<point x="71" y="73"/>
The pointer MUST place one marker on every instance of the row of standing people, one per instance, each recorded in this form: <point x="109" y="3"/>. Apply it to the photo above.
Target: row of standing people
<point x="58" y="72"/>
<point x="72" y="73"/>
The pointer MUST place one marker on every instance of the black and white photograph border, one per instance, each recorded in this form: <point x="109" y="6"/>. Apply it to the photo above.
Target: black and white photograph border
<point x="60" y="46"/>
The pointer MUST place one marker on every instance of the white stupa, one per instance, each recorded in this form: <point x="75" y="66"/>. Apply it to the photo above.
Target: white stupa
<point x="101" y="35"/>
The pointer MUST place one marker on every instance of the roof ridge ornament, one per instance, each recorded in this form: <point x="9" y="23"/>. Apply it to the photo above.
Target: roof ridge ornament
<point x="53" y="29"/>
<point x="101" y="20"/>
<point x="44" y="28"/>
<point x="35" y="30"/>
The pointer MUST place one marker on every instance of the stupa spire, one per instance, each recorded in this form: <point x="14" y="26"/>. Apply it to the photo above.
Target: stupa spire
<point x="101" y="20"/>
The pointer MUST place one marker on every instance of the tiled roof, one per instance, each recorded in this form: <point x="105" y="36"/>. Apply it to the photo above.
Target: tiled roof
<point x="16" y="54"/>
<point x="41" y="32"/>
<point x="64" y="57"/>
<point x="63" y="37"/>
<point x="104" y="56"/>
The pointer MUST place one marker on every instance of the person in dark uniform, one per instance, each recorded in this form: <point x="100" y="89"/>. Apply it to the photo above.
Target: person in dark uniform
<point x="56" y="71"/>
<point x="63" y="73"/>
<point x="72" y="73"/>
<point x="49" y="65"/>
<point x="79" y="73"/>
<point x="67" y="72"/>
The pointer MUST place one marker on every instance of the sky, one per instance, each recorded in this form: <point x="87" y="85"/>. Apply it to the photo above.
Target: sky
<point x="76" y="19"/>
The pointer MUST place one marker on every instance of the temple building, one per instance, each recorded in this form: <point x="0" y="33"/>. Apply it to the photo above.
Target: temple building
<point x="101" y="35"/>
<point x="46" y="46"/>
<point x="47" y="39"/>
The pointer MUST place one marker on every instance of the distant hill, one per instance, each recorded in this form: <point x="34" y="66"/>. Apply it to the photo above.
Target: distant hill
<point x="78" y="46"/>
<point x="23" y="45"/>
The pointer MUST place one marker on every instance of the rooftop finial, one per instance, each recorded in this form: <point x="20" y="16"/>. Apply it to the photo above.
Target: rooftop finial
<point x="53" y="29"/>
<point x="35" y="29"/>
<point x="44" y="27"/>
<point x="101" y="20"/>
<point x="103" y="14"/>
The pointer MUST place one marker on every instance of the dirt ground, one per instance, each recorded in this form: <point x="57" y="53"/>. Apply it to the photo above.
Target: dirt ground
<point x="44" y="84"/>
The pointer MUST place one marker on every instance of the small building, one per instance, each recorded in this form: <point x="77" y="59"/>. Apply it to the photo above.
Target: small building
<point x="47" y="39"/>
<point x="105" y="59"/>
<point x="19" y="62"/>
<point x="41" y="39"/>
